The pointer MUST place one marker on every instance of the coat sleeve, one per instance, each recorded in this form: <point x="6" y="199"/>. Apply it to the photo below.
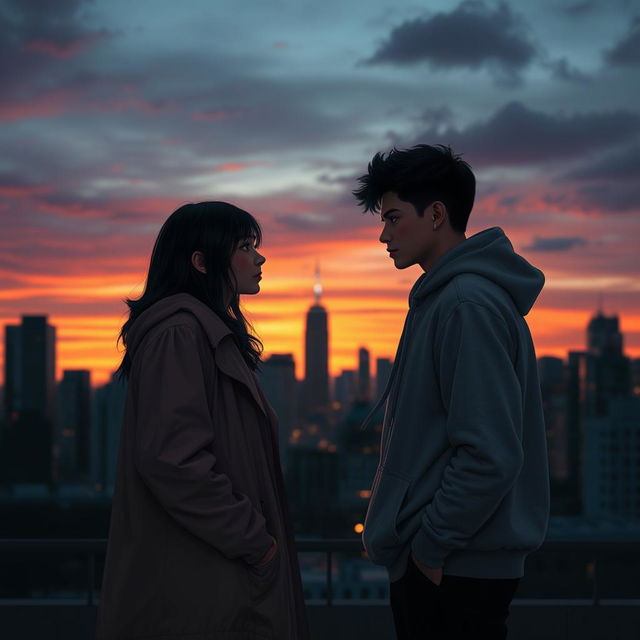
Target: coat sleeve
<point x="483" y="401"/>
<point x="173" y="434"/>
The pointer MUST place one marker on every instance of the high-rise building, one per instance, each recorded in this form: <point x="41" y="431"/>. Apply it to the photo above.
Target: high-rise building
<point x="608" y="369"/>
<point x="612" y="457"/>
<point x="364" y="374"/>
<point x="383" y="373"/>
<point x="574" y="420"/>
<point x="345" y="389"/>
<point x="316" y="366"/>
<point x="553" y="385"/>
<point x="595" y="378"/>
<point x="108" y="410"/>
<point x="26" y="449"/>
<point x="635" y="375"/>
<point x="278" y="380"/>
<point x="72" y="452"/>
<point x="554" y="399"/>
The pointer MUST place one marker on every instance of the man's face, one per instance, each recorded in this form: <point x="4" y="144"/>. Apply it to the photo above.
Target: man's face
<point x="410" y="238"/>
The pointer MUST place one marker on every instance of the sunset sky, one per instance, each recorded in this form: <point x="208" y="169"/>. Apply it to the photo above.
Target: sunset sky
<point x="115" y="113"/>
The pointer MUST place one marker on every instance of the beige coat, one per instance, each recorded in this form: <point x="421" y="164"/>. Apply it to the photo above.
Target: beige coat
<point x="199" y="493"/>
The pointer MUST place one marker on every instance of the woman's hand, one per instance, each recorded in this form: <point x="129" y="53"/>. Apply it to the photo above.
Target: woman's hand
<point x="269" y="556"/>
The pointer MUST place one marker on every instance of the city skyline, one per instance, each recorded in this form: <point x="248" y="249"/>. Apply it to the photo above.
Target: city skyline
<point x="349" y="361"/>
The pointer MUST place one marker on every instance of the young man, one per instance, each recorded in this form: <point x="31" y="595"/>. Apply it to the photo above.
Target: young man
<point x="461" y="494"/>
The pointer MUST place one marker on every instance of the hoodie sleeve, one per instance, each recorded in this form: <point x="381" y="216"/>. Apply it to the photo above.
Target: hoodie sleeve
<point x="483" y="401"/>
<point x="173" y="435"/>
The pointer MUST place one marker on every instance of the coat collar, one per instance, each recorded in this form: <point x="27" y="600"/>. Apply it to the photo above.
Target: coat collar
<point x="220" y="337"/>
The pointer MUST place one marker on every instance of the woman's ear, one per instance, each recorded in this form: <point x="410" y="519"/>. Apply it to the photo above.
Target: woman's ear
<point x="197" y="260"/>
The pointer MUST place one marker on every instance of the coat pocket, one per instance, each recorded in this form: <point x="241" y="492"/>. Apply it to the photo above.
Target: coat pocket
<point x="263" y="579"/>
<point x="381" y="539"/>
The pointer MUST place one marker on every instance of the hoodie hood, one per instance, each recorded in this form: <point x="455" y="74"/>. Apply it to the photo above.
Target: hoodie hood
<point x="169" y="306"/>
<point x="488" y="254"/>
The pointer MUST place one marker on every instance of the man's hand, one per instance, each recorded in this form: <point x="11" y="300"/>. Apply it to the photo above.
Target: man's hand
<point x="435" y="575"/>
<point x="268" y="557"/>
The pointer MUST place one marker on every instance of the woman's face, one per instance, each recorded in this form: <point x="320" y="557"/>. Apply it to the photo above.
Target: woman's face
<point x="246" y="265"/>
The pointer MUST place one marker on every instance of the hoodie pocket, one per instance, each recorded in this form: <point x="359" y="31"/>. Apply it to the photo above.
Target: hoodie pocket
<point x="381" y="538"/>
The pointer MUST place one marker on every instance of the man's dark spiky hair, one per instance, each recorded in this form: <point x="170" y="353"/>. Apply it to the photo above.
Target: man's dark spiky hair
<point x="420" y="175"/>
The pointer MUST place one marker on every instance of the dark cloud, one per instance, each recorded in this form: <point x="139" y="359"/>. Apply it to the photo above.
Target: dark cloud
<point x="555" y="244"/>
<point x="579" y="9"/>
<point x="562" y="69"/>
<point x="472" y="35"/>
<point x="627" y="51"/>
<point x="616" y="198"/>
<point x="305" y="221"/>
<point x="438" y="116"/>
<point x="516" y="134"/>
<point x="38" y="36"/>
<point x="621" y="166"/>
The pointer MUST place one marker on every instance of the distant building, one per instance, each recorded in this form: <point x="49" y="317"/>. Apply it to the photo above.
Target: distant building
<point x="554" y="402"/>
<point x="383" y="373"/>
<point x="635" y="376"/>
<point x="30" y="368"/>
<point x="26" y="447"/>
<point x="364" y="374"/>
<point x="595" y="378"/>
<point x="316" y="370"/>
<point x="108" y="410"/>
<point x="612" y="461"/>
<point x="312" y="478"/>
<point x="553" y="386"/>
<point x="345" y="389"/>
<point x="357" y="471"/>
<point x="278" y="380"/>
<point x="72" y="453"/>
<point x="608" y="369"/>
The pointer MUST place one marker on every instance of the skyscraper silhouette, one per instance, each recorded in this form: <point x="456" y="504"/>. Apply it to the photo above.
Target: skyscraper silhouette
<point x="278" y="380"/>
<point x="316" y="366"/>
<point x="364" y="374"/>
<point x="26" y="448"/>
<point x="608" y="369"/>
<point x="72" y="448"/>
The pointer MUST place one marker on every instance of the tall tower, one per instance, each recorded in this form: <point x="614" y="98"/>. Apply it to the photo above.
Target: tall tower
<point x="608" y="369"/>
<point x="603" y="336"/>
<point x="278" y="380"/>
<point x="25" y="453"/>
<point x="364" y="374"/>
<point x="72" y="448"/>
<point x="316" y="350"/>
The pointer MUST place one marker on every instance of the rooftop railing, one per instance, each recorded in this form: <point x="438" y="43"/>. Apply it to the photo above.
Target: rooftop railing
<point x="593" y="556"/>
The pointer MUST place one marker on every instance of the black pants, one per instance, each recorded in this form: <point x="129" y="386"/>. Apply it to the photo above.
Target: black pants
<point x="459" y="608"/>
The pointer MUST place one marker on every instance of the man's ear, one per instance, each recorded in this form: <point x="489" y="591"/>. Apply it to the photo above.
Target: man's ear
<point x="197" y="260"/>
<point x="438" y="212"/>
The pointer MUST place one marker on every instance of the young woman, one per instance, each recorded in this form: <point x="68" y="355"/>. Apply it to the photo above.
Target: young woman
<point x="200" y="544"/>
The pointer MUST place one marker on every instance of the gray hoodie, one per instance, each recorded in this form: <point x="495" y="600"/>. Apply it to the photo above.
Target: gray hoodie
<point x="463" y="478"/>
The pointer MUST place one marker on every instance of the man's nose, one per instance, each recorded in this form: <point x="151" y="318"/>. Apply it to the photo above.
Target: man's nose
<point x="260" y="259"/>
<point x="384" y="236"/>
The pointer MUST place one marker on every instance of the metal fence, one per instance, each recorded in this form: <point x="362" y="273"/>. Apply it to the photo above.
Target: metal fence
<point x="91" y="549"/>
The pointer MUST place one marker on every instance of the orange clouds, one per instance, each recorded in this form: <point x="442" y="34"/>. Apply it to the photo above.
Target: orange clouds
<point x="366" y="298"/>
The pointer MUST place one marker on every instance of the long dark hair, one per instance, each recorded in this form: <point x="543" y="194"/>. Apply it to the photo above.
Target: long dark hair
<point x="215" y="228"/>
